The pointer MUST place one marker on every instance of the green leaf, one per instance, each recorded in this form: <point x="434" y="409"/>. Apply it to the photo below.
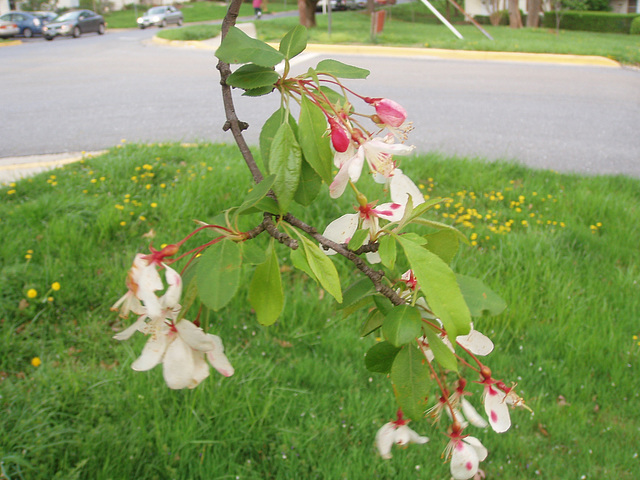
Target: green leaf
<point x="341" y="70"/>
<point x="479" y="297"/>
<point x="218" y="273"/>
<point x="383" y="304"/>
<point x="402" y="325"/>
<point x="441" y="352"/>
<point x="258" y="92"/>
<point x="387" y="250"/>
<point x="257" y="193"/>
<point x="357" y="290"/>
<point x="252" y="254"/>
<point x="253" y="76"/>
<point x="294" y="42"/>
<point x="299" y="261"/>
<point x="441" y="226"/>
<point x="315" y="143"/>
<point x="373" y="322"/>
<point x="438" y="283"/>
<point x="238" y="47"/>
<point x="380" y="357"/>
<point x="188" y="297"/>
<point x="285" y="162"/>
<point x="265" y="291"/>
<point x="410" y="375"/>
<point x="444" y="243"/>
<point x="309" y="186"/>
<point x="269" y="130"/>
<point x="323" y="268"/>
<point x="358" y="239"/>
<point x="414" y="238"/>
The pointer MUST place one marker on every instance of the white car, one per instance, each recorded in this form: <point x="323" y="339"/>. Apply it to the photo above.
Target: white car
<point x="8" y="29"/>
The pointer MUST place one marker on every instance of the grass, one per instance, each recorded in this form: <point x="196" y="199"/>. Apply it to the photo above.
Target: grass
<point x="353" y="28"/>
<point x="191" y="32"/>
<point x="195" y="12"/>
<point x="561" y="249"/>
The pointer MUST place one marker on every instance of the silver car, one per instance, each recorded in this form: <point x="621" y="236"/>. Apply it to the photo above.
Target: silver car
<point x="8" y="29"/>
<point x="161" y="16"/>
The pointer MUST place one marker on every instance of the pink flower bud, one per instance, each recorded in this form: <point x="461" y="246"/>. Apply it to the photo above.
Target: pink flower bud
<point x="390" y="112"/>
<point x="339" y="136"/>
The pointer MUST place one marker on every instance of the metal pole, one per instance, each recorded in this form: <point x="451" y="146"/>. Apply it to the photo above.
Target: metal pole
<point x="442" y="19"/>
<point x="477" y="25"/>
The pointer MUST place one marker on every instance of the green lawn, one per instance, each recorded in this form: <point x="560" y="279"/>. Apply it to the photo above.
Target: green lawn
<point x="195" y="12"/>
<point x="353" y="28"/>
<point x="561" y="249"/>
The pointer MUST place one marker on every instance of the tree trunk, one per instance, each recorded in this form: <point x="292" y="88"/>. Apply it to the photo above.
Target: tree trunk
<point x="515" y="20"/>
<point x="533" y="13"/>
<point x="307" y="12"/>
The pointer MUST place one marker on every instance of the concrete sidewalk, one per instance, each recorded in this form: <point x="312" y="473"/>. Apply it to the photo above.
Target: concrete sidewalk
<point x="15" y="168"/>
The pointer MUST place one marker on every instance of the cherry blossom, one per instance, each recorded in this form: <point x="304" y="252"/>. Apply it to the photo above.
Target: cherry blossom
<point x="466" y="453"/>
<point x="396" y="433"/>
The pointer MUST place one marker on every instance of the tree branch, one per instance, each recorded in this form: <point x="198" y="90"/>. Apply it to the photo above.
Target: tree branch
<point x="232" y="123"/>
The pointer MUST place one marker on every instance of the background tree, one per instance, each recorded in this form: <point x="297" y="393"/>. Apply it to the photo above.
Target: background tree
<point x="307" y="12"/>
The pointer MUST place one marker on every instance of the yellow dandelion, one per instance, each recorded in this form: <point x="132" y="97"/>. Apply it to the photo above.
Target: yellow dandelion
<point x="85" y="191"/>
<point x="36" y="362"/>
<point x="93" y="180"/>
<point x="142" y="218"/>
<point x="11" y="192"/>
<point x="55" y="286"/>
<point x="148" y="186"/>
<point x="123" y="223"/>
<point x="28" y="256"/>
<point x="49" y="299"/>
<point x="154" y="204"/>
<point x="32" y="293"/>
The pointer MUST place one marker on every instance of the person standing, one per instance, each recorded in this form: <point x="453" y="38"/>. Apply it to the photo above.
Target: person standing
<point x="257" y="7"/>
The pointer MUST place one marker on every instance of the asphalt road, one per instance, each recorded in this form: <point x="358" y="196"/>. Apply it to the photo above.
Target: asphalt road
<point x="93" y="92"/>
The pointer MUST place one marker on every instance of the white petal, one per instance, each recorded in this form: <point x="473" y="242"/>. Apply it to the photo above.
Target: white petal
<point x="390" y="211"/>
<point x="385" y="438"/>
<point x="133" y="328"/>
<point x="339" y="184"/>
<point x="409" y="436"/>
<point x="476" y="342"/>
<point x="194" y="336"/>
<point x="401" y="187"/>
<point x="472" y="415"/>
<point x="355" y="165"/>
<point x="218" y="359"/>
<point x="172" y="296"/>
<point x="480" y="449"/>
<point x="373" y="257"/>
<point x="497" y="409"/>
<point x="200" y="369"/>
<point x="459" y="417"/>
<point x="464" y="461"/>
<point x="128" y="303"/>
<point x="178" y="365"/>
<point x="152" y="353"/>
<point x="341" y="230"/>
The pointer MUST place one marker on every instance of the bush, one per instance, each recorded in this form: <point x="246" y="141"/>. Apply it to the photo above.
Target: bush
<point x="591" y="21"/>
<point x="635" y="26"/>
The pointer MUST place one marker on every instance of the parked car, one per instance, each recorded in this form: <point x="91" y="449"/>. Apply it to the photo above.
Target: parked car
<point x="28" y="23"/>
<point x="335" y="5"/>
<point x="161" y="16"/>
<point x="8" y="29"/>
<point x="74" y="23"/>
<point x="47" y="17"/>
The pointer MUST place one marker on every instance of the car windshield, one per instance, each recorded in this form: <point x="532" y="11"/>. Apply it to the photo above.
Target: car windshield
<point x="155" y="11"/>
<point x="65" y="17"/>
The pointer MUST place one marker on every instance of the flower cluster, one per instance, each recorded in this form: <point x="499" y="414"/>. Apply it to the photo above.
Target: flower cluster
<point x="179" y="345"/>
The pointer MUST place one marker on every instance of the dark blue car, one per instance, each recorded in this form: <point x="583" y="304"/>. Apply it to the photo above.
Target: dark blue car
<point x="28" y="23"/>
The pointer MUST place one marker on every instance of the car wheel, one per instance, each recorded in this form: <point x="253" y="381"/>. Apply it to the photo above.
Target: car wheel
<point x="179" y="22"/>
<point x="163" y="24"/>
<point x="27" y="33"/>
<point x="48" y="38"/>
<point x="76" y="32"/>
<point x="101" y="29"/>
<point x="142" y="27"/>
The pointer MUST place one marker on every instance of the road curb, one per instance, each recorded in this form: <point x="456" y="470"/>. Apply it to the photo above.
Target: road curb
<point x="16" y="168"/>
<point x="476" y="55"/>
<point x="12" y="43"/>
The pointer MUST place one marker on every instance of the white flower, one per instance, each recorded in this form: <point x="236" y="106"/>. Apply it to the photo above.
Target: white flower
<point x="165" y="307"/>
<point x="466" y="455"/>
<point x="181" y="348"/>
<point x="378" y="152"/>
<point x="497" y="409"/>
<point x="397" y="433"/>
